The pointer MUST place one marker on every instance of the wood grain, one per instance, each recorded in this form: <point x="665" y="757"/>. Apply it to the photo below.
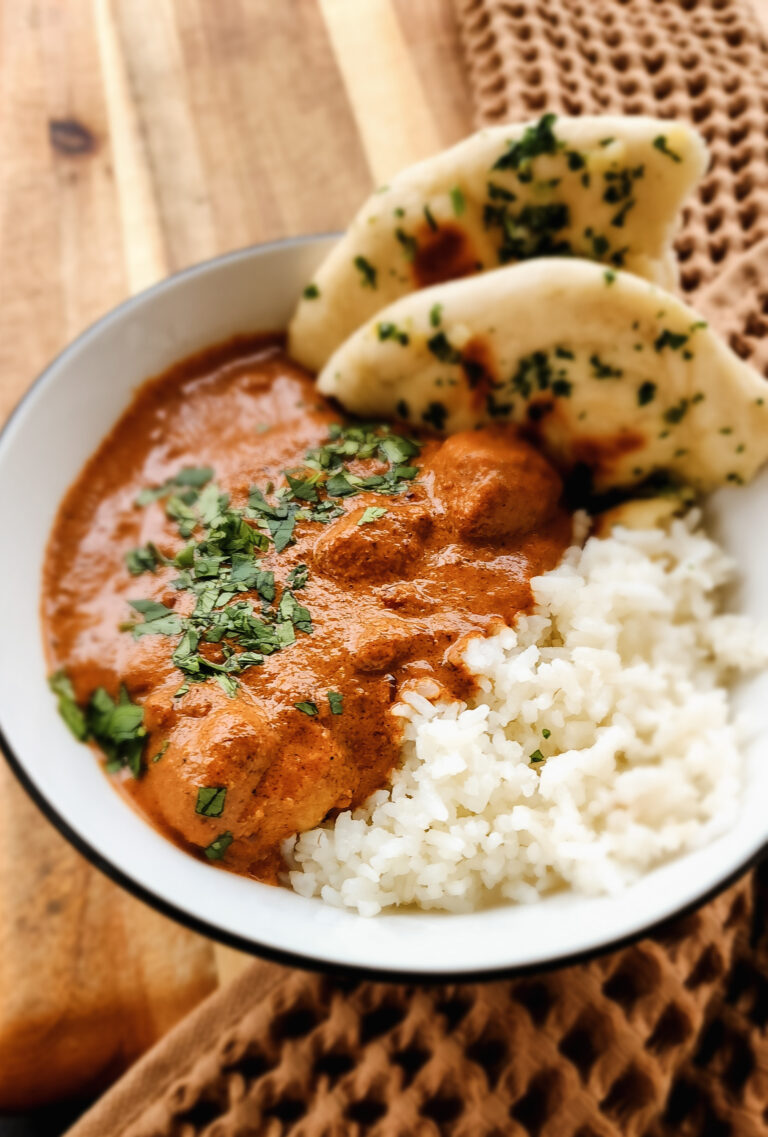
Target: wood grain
<point x="136" y="137"/>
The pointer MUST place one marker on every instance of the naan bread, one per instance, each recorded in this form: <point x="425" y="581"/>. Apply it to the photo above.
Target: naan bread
<point x="608" y="188"/>
<point x="601" y="367"/>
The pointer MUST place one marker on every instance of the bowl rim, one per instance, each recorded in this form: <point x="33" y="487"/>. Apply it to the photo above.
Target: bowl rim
<point x="212" y="931"/>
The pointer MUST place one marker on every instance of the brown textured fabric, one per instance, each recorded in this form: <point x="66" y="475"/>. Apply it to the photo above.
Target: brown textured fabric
<point x="663" y="1039"/>
<point x="668" y="1038"/>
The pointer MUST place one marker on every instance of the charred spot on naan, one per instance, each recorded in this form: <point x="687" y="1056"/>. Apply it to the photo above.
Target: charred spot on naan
<point x="549" y="429"/>
<point x="443" y="252"/>
<point x="480" y="370"/>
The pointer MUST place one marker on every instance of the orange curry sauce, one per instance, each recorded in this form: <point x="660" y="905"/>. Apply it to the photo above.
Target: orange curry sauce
<point x="390" y="599"/>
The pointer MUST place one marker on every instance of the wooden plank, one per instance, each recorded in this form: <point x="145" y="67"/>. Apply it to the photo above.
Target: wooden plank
<point x="249" y="133"/>
<point x="396" y="123"/>
<point x="431" y="33"/>
<point x="89" y="977"/>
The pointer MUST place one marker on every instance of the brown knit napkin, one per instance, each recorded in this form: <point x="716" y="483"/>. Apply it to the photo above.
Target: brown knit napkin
<point x="663" y="1039"/>
<point x="666" y="1038"/>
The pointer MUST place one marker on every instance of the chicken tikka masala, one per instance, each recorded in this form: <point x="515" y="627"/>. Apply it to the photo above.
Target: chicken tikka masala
<point x="242" y="580"/>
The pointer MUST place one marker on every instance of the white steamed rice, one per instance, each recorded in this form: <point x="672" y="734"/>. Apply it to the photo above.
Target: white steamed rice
<point x="617" y="680"/>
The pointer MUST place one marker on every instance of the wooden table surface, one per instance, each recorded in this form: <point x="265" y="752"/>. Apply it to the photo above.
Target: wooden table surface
<point x="137" y="137"/>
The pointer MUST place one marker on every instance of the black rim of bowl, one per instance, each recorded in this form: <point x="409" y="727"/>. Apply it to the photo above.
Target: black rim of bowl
<point x="231" y="939"/>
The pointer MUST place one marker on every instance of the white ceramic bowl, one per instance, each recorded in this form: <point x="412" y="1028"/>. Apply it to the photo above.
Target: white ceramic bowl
<point x="43" y="447"/>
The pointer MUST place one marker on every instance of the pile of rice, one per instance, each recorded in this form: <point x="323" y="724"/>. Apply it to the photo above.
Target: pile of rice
<point x="600" y="742"/>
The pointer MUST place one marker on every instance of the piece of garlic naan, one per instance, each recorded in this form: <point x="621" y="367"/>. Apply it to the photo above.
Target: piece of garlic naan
<point x="601" y="367"/>
<point x="608" y="188"/>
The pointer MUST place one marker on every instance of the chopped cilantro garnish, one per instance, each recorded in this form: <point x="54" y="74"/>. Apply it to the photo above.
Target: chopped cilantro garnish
<point x="660" y="142"/>
<point x="304" y="489"/>
<point x="73" y="716"/>
<point x="675" y="414"/>
<point x="158" y="620"/>
<point x="281" y="529"/>
<point x="546" y="733"/>
<point x="218" y="847"/>
<point x="117" y="727"/>
<point x="646" y="392"/>
<point x="408" y="243"/>
<point x="290" y="609"/>
<point x="367" y="272"/>
<point x="387" y="331"/>
<point x="371" y="514"/>
<point x="147" y="558"/>
<point x="297" y="577"/>
<point x="537" y="756"/>
<point x="210" y="800"/>
<point x="429" y="217"/>
<point x="336" y="702"/>
<point x="442" y="349"/>
<point x="602" y="370"/>
<point x="458" y="201"/>
<point x="537" y="139"/>
<point x="499" y="193"/>
<point x="306" y="708"/>
<point x="190" y="477"/>
<point x="667" y="338"/>
<point x="161" y="751"/>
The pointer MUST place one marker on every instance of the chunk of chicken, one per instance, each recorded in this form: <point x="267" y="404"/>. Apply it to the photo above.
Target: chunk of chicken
<point x="354" y="549"/>
<point x="494" y="484"/>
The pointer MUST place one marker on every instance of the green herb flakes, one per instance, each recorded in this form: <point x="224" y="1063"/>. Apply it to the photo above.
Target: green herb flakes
<point x="218" y="847"/>
<point x="371" y="514"/>
<point x="73" y="716"/>
<point x="537" y="756"/>
<point x="161" y="751"/>
<point x="311" y="292"/>
<point x="435" y="318"/>
<point x="408" y="243"/>
<point x="387" y="331"/>
<point x="660" y="143"/>
<point x="336" y="702"/>
<point x="602" y="370"/>
<point x="668" y="338"/>
<point x="307" y="708"/>
<point x="646" y="392"/>
<point x="546" y="733"/>
<point x="158" y="620"/>
<point x="117" y="727"/>
<point x="210" y="800"/>
<point x="296" y="579"/>
<point x="675" y="414"/>
<point x="429" y="217"/>
<point x="442" y="349"/>
<point x="458" y="201"/>
<point x="148" y="558"/>
<point x="536" y="140"/>
<point x="368" y="274"/>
